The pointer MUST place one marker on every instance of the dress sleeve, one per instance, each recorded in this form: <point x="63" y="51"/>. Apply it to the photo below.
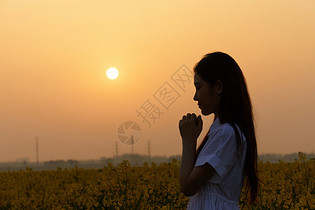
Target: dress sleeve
<point x="220" y="152"/>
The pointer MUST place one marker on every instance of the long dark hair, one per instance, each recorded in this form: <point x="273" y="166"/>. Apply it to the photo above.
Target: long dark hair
<point x="235" y="108"/>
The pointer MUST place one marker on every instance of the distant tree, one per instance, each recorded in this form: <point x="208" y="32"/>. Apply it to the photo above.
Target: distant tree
<point x="72" y="162"/>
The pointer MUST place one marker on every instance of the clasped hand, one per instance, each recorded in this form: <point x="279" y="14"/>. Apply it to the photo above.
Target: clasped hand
<point x="190" y="127"/>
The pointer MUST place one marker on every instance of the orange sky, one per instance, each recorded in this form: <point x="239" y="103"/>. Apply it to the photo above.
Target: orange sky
<point x="54" y="55"/>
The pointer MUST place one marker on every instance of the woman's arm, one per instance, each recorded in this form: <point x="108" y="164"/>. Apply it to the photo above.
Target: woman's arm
<point x="192" y="178"/>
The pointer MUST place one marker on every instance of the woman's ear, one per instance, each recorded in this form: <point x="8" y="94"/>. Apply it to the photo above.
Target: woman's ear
<point x="218" y="87"/>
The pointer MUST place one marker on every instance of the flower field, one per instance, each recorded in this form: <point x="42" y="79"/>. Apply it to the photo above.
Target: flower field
<point x="284" y="186"/>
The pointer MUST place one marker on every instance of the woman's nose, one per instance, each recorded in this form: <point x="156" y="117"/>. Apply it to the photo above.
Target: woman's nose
<point x="195" y="97"/>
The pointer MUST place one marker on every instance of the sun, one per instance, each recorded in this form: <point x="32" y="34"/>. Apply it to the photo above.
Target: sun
<point x="112" y="73"/>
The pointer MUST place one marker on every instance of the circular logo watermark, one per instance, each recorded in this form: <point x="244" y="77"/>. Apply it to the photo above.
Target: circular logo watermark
<point x="129" y="132"/>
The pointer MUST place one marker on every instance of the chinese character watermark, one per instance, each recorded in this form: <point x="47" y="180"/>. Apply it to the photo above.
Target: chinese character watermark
<point x="183" y="77"/>
<point x="153" y="108"/>
<point x="166" y="96"/>
<point x="149" y="112"/>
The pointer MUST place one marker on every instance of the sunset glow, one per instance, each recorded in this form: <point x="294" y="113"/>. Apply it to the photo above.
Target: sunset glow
<point x="56" y="82"/>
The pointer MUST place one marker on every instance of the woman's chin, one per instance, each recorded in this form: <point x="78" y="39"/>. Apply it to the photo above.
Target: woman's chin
<point x="205" y="113"/>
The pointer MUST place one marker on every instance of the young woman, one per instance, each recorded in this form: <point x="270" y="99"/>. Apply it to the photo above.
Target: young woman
<point x="212" y="176"/>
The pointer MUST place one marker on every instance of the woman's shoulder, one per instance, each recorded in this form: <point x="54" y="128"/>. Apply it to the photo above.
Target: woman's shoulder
<point x="226" y="130"/>
<point x="221" y="128"/>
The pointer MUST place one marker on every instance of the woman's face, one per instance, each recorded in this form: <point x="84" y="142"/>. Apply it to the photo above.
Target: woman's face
<point x="208" y="97"/>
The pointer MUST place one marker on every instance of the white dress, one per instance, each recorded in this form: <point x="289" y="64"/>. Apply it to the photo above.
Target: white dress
<point x="223" y="189"/>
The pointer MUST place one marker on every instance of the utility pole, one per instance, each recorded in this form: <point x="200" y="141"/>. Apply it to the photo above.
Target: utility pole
<point x="149" y="151"/>
<point x="37" y="158"/>
<point x="132" y="144"/>
<point x="116" y="151"/>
